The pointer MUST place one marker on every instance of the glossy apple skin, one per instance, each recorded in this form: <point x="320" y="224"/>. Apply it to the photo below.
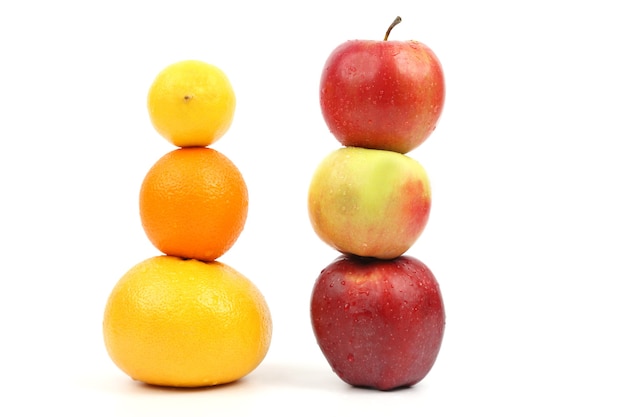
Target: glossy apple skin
<point x="379" y="323"/>
<point x="369" y="202"/>
<point x="382" y="94"/>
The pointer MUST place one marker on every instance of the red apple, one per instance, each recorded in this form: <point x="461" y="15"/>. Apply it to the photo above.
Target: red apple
<point x="379" y="323"/>
<point x="382" y="94"/>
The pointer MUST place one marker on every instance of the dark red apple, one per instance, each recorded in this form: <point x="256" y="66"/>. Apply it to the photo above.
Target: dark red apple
<point x="379" y="323"/>
<point x="382" y="94"/>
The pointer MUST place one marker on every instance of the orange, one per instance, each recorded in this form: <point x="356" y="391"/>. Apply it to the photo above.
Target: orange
<point x="193" y="203"/>
<point x="186" y="323"/>
<point x="191" y="103"/>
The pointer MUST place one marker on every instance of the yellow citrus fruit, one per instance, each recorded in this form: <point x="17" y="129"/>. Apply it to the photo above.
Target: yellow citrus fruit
<point x="193" y="203"/>
<point x="191" y="103"/>
<point x="186" y="323"/>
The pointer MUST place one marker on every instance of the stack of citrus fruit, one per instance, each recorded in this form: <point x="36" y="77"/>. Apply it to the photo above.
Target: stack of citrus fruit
<point x="182" y="318"/>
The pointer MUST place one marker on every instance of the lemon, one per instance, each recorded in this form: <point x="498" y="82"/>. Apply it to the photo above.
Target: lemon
<point x="191" y="103"/>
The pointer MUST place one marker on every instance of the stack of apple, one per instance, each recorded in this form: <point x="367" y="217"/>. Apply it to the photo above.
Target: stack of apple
<point x="377" y="314"/>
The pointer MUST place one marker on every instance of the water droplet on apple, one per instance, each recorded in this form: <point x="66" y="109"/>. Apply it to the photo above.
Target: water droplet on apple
<point x="346" y="306"/>
<point x="343" y="282"/>
<point x="350" y="357"/>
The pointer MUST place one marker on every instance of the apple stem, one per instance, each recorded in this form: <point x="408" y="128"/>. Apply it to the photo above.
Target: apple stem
<point x="393" y="25"/>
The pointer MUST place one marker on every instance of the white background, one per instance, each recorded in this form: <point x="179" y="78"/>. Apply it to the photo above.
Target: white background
<point x="526" y="234"/>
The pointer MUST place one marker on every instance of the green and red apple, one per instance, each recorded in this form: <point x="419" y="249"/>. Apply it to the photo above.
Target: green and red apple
<point x="369" y="202"/>
<point x="379" y="323"/>
<point x="382" y="94"/>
